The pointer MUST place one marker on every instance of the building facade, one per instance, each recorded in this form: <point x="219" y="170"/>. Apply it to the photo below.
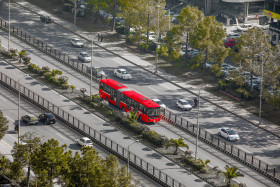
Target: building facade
<point x="272" y="10"/>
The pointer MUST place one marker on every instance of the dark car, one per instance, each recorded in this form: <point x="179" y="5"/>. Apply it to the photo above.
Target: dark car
<point x="47" y="118"/>
<point x="45" y="19"/>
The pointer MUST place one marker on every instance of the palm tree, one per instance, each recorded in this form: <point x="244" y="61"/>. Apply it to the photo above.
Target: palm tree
<point x="21" y="54"/>
<point x="231" y="173"/>
<point x="176" y="143"/>
<point x="203" y="163"/>
<point x="56" y="72"/>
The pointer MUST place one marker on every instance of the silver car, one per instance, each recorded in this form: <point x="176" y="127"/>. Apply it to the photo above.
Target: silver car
<point x="228" y="133"/>
<point x="77" y="42"/>
<point x="84" y="57"/>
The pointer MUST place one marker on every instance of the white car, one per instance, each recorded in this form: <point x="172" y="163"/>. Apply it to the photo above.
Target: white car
<point x="97" y="71"/>
<point x="85" y="142"/>
<point x="122" y="73"/>
<point x="183" y="104"/>
<point x="244" y="27"/>
<point x="77" y="42"/>
<point x="159" y="102"/>
<point x="84" y="57"/>
<point x="228" y="133"/>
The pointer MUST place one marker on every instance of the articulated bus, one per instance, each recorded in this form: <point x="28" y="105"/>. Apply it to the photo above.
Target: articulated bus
<point x="129" y="100"/>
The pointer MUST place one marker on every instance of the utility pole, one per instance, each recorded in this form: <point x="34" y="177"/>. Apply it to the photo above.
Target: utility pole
<point x="197" y="130"/>
<point x="260" y="109"/>
<point x="9" y="25"/>
<point x="157" y="40"/>
<point x="91" y="67"/>
<point x="75" y="9"/>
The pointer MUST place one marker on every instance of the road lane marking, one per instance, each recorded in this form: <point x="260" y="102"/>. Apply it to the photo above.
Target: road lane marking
<point x="244" y="150"/>
<point x="10" y="118"/>
<point x="61" y="136"/>
<point x="6" y="143"/>
<point x="3" y="98"/>
<point x="153" y="89"/>
<point x="13" y="137"/>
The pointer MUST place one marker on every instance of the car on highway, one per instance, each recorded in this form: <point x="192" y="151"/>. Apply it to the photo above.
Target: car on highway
<point x="228" y="133"/>
<point x="47" y="118"/>
<point x="45" y="19"/>
<point x="84" y="57"/>
<point x="77" y="42"/>
<point x="29" y="119"/>
<point x="244" y="27"/>
<point x="85" y="142"/>
<point x="159" y="102"/>
<point x="122" y="73"/>
<point x="97" y="71"/>
<point x="183" y="104"/>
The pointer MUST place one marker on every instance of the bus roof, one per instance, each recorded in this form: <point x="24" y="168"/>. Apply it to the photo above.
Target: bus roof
<point x="140" y="99"/>
<point x="114" y="84"/>
<point x="130" y="93"/>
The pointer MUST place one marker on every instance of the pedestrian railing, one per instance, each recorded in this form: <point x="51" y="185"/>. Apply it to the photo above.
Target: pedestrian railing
<point x="140" y="164"/>
<point x="219" y="143"/>
<point x="246" y="158"/>
<point x="51" y="51"/>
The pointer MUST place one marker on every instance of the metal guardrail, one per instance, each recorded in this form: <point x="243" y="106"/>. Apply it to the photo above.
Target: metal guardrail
<point x="222" y="145"/>
<point x="229" y="149"/>
<point x="148" y="169"/>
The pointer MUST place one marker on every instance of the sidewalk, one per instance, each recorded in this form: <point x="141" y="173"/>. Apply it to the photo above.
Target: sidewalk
<point x="139" y="59"/>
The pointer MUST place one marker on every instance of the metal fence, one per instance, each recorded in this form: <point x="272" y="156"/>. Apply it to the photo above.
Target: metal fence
<point x="148" y="169"/>
<point x="222" y="145"/>
<point x="53" y="52"/>
<point x="231" y="150"/>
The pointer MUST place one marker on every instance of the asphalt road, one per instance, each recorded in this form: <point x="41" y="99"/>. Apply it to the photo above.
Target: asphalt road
<point x="58" y="131"/>
<point x="256" y="141"/>
<point x="106" y="129"/>
<point x="204" y="152"/>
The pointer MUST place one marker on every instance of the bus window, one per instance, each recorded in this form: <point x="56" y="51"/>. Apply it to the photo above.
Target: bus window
<point x="153" y="112"/>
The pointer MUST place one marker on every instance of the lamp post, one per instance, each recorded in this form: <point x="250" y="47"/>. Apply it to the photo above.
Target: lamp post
<point x="197" y="121"/>
<point x="19" y="109"/>
<point x="75" y="8"/>
<point x="169" y="13"/>
<point x="260" y="109"/>
<point x="9" y="26"/>
<point x="157" y="39"/>
<point x="128" y="155"/>
<point x="91" y="66"/>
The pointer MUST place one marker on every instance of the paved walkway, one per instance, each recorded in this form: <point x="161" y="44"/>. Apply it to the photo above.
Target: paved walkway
<point x="139" y="59"/>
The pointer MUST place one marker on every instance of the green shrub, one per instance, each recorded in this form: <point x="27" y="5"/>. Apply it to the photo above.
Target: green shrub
<point x="37" y="69"/>
<point x="153" y="137"/>
<point x="63" y="79"/>
<point x="143" y="47"/>
<point x="244" y="93"/>
<point x="129" y="39"/>
<point x="48" y="75"/>
<point x="26" y="59"/>
<point x="46" y="68"/>
<point x="31" y="66"/>
<point x="223" y="84"/>
<point x="65" y="86"/>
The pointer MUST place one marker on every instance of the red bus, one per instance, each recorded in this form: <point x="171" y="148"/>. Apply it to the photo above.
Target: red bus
<point x="129" y="100"/>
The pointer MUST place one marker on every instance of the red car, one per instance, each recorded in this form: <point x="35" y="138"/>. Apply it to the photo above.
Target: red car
<point x="230" y="43"/>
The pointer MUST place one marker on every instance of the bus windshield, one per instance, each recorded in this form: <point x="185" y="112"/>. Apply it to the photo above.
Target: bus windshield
<point x="154" y="112"/>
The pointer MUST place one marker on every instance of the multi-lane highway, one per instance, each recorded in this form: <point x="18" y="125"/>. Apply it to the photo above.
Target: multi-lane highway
<point x="205" y="152"/>
<point x="58" y="131"/>
<point x="254" y="140"/>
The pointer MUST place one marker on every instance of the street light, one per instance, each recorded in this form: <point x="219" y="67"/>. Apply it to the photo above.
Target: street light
<point x="91" y="66"/>
<point x="260" y="109"/>
<point x="157" y="39"/>
<point x="19" y="108"/>
<point x="169" y="13"/>
<point x="197" y="121"/>
<point x="128" y="155"/>
<point x="75" y="7"/>
<point x="9" y="26"/>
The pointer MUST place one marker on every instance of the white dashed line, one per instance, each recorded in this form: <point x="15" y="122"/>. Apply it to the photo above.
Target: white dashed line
<point x="152" y="89"/>
<point x="10" y="118"/>
<point x="3" y="98"/>
<point x="61" y="136"/>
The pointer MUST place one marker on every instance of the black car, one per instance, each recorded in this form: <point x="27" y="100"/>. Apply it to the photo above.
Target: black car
<point x="47" y="118"/>
<point x="45" y="19"/>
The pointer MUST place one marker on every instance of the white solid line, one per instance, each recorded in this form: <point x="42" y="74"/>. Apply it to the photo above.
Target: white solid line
<point x="13" y="137"/>
<point x="244" y="150"/>
<point x="3" y="98"/>
<point x="152" y="88"/>
<point x="6" y="143"/>
<point x="61" y="136"/>
<point x="10" y="118"/>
